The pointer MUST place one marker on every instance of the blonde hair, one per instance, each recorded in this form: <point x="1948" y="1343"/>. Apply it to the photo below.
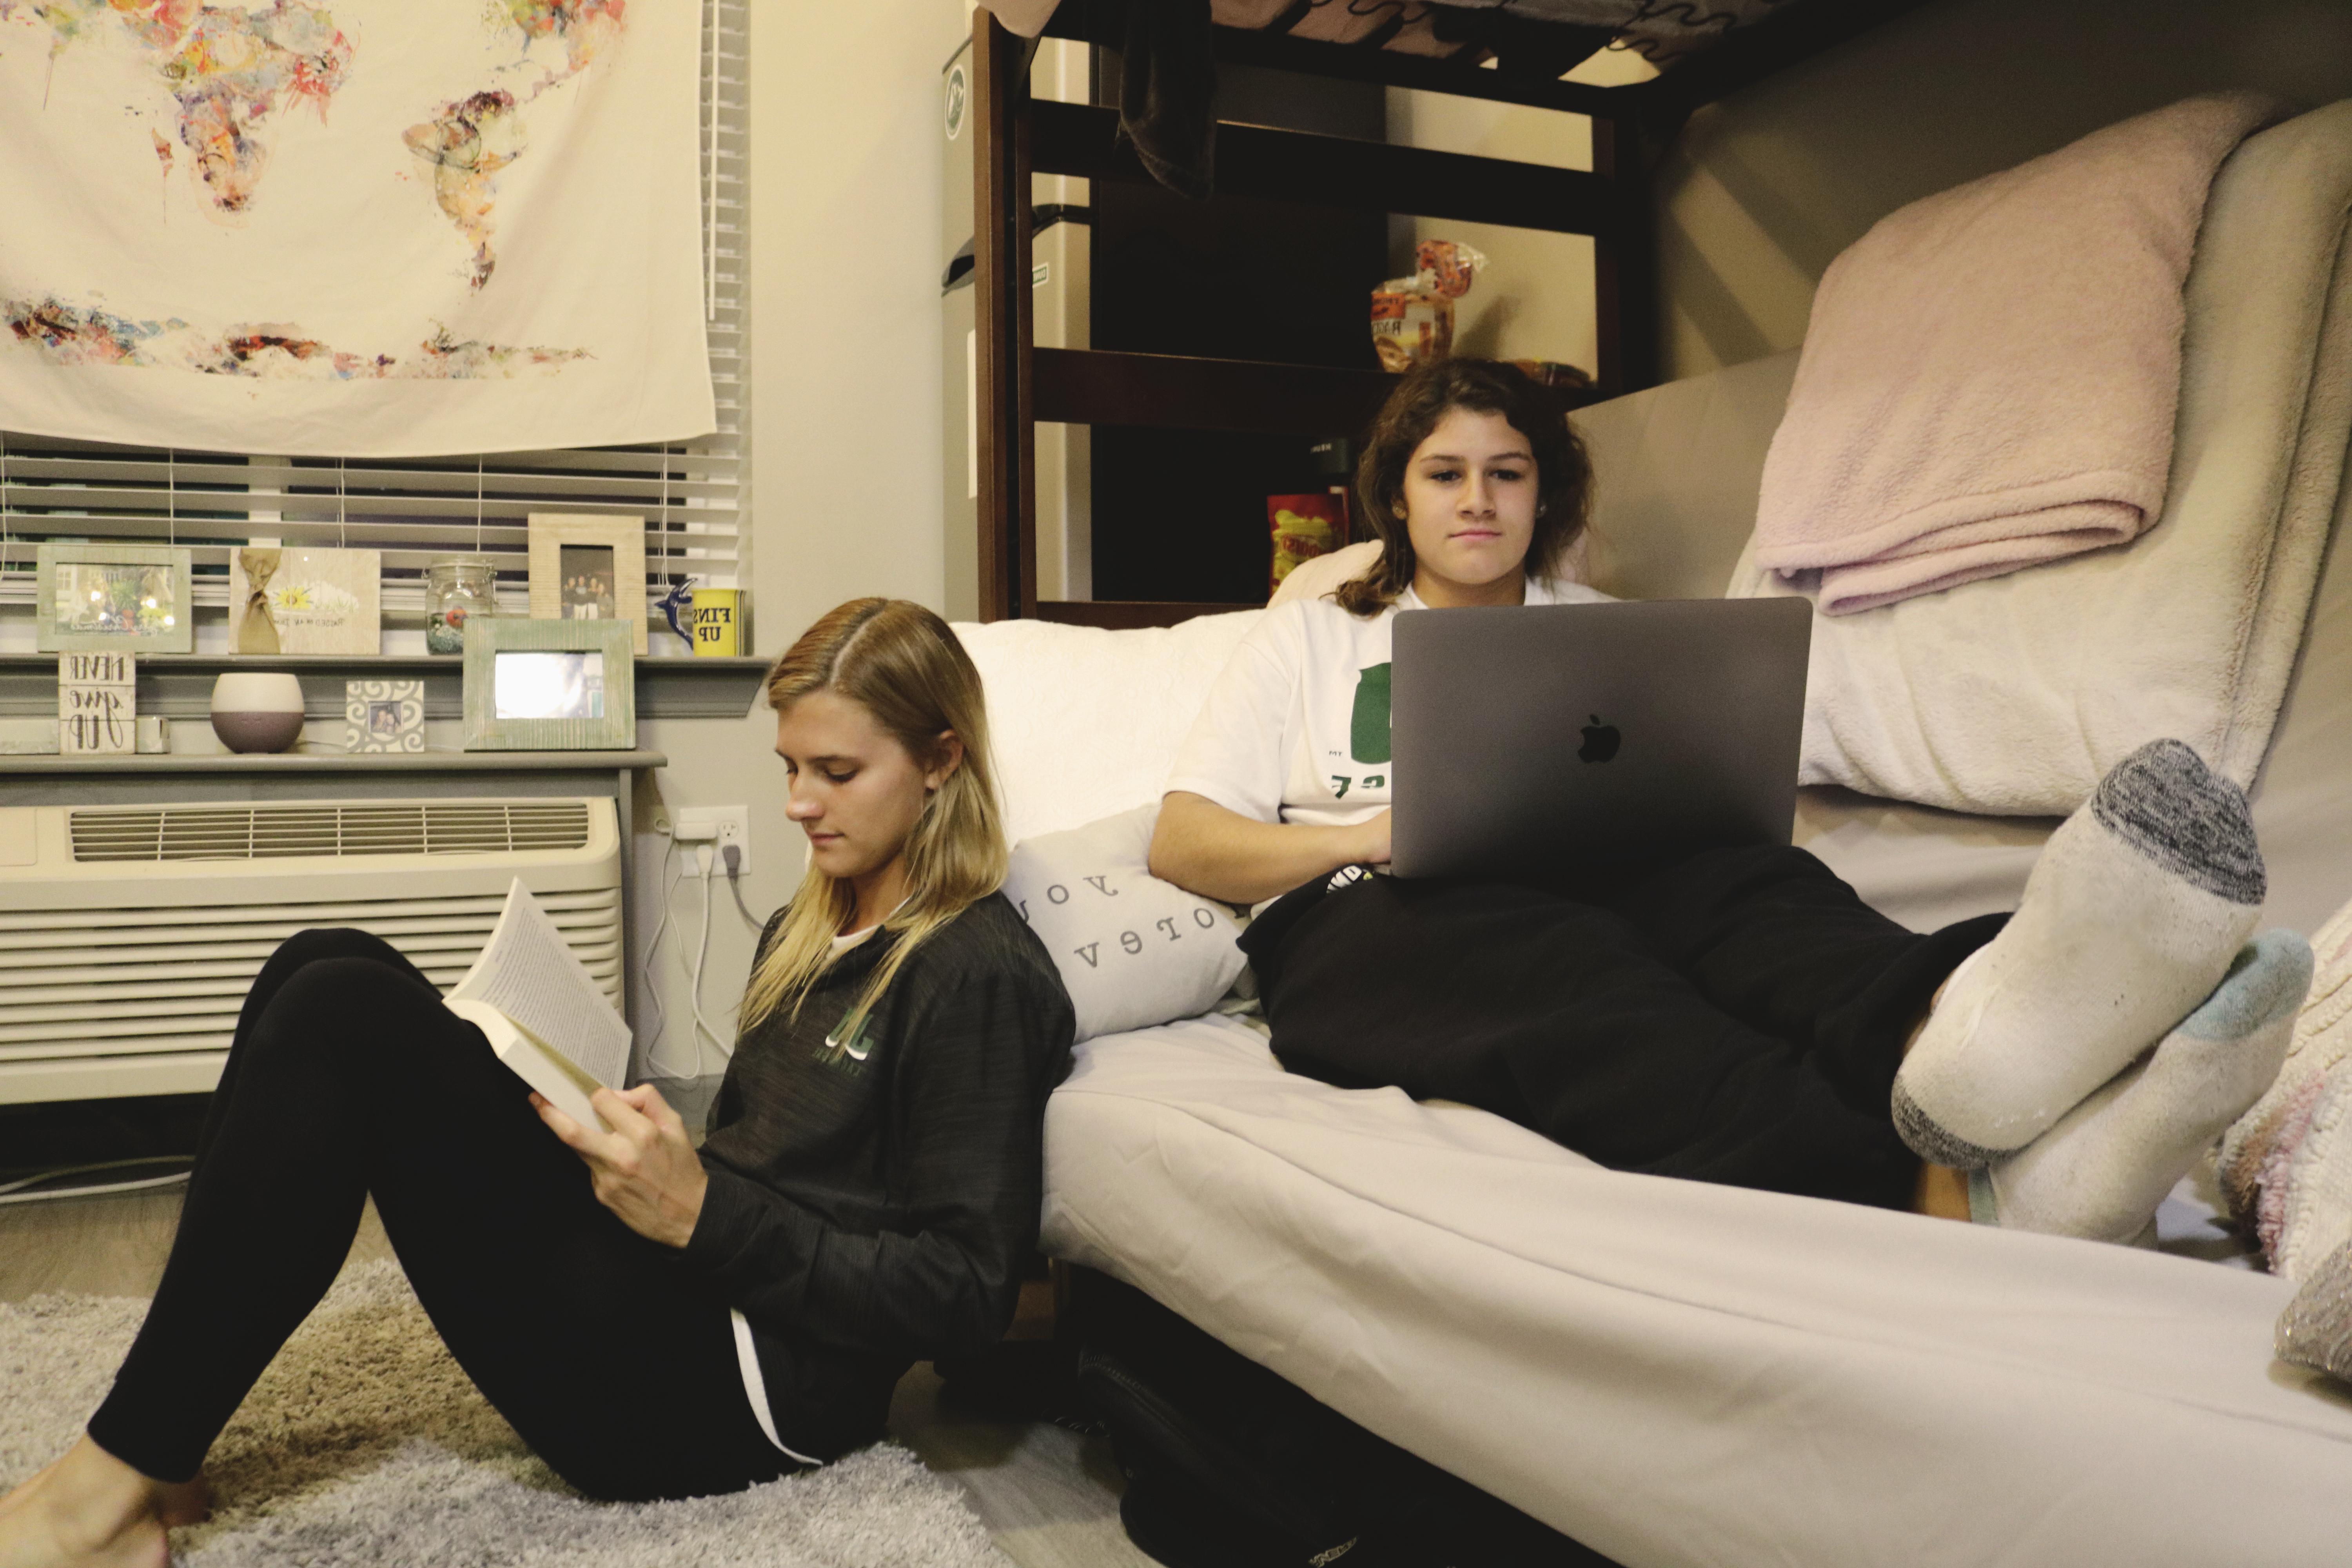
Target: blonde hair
<point x="900" y="663"/>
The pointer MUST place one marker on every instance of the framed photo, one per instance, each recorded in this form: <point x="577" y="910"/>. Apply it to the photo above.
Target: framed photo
<point x="384" y="715"/>
<point x="549" y="686"/>
<point x="130" y="598"/>
<point x="589" y="568"/>
<point x="305" y="601"/>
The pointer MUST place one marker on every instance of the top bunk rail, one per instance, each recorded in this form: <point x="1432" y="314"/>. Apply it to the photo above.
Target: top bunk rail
<point x="1515" y="59"/>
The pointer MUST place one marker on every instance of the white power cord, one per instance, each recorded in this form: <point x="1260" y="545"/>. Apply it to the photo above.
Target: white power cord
<point x="653" y="989"/>
<point x="702" y="855"/>
<point x="14" y="1193"/>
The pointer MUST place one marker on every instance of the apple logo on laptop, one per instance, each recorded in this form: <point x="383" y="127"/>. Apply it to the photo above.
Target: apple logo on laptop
<point x="1601" y="741"/>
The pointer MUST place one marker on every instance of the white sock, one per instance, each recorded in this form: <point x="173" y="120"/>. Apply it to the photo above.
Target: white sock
<point x="2130" y="918"/>
<point x="2102" y="1169"/>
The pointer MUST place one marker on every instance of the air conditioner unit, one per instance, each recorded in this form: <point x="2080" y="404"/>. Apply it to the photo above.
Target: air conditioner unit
<point x="129" y="935"/>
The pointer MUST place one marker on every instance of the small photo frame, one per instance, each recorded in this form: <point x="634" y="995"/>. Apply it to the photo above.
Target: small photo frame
<point x="549" y="686"/>
<point x="587" y="568"/>
<point x="130" y="598"/>
<point x="384" y="715"/>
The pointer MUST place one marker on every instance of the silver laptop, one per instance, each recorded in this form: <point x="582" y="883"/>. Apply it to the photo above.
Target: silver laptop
<point x="1543" y="739"/>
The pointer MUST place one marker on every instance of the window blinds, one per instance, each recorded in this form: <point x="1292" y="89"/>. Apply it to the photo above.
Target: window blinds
<point x="691" y="494"/>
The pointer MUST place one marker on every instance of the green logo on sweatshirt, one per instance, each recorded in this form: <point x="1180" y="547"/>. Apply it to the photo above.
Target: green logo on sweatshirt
<point x="849" y="1055"/>
<point x="1368" y="730"/>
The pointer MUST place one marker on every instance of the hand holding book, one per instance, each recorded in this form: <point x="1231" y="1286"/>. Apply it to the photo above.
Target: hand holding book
<point x="546" y="1017"/>
<point x="644" y="1169"/>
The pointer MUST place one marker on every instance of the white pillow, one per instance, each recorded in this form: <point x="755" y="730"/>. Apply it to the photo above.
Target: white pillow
<point x="1086" y="722"/>
<point x="1133" y="950"/>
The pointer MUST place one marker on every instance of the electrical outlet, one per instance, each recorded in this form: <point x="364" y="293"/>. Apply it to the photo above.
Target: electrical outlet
<point x="734" y="825"/>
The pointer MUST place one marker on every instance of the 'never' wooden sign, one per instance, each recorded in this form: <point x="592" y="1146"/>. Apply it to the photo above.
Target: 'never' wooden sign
<point x="97" y="703"/>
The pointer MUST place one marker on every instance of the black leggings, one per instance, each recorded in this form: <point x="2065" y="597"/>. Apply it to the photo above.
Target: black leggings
<point x="348" y="1078"/>
<point x="1736" y="1017"/>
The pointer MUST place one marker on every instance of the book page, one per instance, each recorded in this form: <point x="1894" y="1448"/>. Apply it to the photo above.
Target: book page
<point x="528" y="973"/>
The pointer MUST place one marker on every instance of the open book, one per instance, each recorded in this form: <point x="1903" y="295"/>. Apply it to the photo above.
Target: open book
<point x="546" y="1017"/>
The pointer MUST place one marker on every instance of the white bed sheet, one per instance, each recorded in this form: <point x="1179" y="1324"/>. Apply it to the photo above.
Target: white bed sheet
<point x="1681" y="1374"/>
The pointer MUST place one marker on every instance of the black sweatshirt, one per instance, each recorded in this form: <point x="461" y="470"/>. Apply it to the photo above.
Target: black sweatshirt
<point x="871" y="1200"/>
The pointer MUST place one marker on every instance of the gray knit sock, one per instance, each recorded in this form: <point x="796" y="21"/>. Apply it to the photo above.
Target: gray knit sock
<point x="2129" y="919"/>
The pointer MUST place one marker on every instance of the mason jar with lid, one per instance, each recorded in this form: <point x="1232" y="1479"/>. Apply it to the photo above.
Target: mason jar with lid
<point x="455" y="588"/>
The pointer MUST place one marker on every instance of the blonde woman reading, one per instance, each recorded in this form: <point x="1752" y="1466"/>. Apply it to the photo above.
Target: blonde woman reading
<point x="868" y="1186"/>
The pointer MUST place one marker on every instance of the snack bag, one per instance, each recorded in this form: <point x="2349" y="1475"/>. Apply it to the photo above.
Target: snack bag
<point x="1446" y="267"/>
<point x="1408" y="327"/>
<point x="1304" y="527"/>
<point x="1413" y="318"/>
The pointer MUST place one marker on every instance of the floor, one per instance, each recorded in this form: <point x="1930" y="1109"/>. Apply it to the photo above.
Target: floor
<point x="1049" y="1496"/>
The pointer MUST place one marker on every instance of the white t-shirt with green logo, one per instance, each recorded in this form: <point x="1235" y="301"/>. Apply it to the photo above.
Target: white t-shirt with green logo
<point x="1296" y="727"/>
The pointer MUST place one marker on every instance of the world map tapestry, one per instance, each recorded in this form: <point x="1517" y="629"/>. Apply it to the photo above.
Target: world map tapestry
<point x="351" y="227"/>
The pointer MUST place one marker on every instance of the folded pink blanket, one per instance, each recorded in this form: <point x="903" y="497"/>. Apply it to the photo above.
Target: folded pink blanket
<point x="1989" y="377"/>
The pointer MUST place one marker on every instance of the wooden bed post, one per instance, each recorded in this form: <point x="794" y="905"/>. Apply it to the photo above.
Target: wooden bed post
<point x="1625" y="266"/>
<point x="1000" y="320"/>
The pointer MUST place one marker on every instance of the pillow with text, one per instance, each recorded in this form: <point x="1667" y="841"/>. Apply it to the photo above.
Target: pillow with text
<point x="1133" y="951"/>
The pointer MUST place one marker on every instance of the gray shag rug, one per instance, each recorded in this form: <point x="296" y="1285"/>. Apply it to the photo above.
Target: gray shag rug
<point x="364" y="1443"/>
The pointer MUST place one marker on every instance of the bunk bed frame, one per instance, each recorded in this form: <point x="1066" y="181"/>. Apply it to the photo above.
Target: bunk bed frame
<point x="1018" y="383"/>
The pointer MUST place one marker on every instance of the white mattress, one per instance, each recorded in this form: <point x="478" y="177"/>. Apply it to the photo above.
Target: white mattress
<point x="1676" y="1373"/>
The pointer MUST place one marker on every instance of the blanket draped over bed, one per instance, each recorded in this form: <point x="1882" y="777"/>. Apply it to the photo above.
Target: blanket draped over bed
<point x="2014" y="694"/>
<point x="1678" y="1373"/>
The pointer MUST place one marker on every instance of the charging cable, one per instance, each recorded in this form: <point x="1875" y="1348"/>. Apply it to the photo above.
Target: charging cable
<point x="726" y="1047"/>
<point x="732" y="855"/>
<point x="654" y="1068"/>
<point x="18" y="1190"/>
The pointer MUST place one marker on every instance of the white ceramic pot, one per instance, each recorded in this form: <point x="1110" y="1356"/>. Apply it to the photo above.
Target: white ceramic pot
<point x="258" y="713"/>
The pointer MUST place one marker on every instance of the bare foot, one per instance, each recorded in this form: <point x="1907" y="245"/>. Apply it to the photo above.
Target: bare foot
<point x="89" y="1509"/>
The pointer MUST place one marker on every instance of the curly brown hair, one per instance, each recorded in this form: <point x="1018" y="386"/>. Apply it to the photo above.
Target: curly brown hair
<point x="1425" y="396"/>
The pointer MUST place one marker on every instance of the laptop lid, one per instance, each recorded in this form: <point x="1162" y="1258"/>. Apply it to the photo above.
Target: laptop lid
<point x="1542" y="738"/>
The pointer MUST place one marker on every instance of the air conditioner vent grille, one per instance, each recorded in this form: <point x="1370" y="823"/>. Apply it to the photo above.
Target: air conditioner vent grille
<point x="268" y="831"/>
<point x="82" y="984"/>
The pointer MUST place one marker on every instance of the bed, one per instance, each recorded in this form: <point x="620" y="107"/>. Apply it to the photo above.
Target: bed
<point x="1672" y="1373"/>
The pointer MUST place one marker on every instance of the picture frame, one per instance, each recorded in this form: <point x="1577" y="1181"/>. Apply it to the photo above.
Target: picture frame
<point x="549" y="686"/>
<point x="384" y="715"/>
<point x="291" y="600"/>
<point x="589" y="568"/>
<point x="124" y="598"/>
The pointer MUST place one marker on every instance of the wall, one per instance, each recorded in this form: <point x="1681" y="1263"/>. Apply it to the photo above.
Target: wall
<point x="1535" y="298"/>
<point x="1764" y="189"/>
<point x="845" y="200"/>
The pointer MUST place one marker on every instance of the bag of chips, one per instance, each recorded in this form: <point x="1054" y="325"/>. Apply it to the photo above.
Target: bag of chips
<point x="1304" y="527"/>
